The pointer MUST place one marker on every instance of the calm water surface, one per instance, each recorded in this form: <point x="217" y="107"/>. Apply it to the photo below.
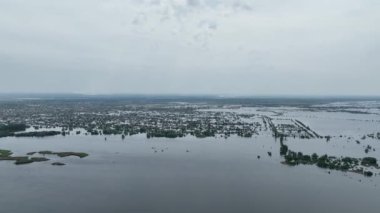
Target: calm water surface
<point x="215" y="175"/>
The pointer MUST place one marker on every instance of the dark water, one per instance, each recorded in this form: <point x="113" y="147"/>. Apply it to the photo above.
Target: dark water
<point x="216" y="175"/>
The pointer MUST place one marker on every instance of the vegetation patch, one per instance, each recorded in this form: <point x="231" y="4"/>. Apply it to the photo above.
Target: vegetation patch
<point x="39" y="159"/>
<point x="6" y="155"/>
<point x="23" y="160"/>
<point x="37" y="134"/>
<point x="64" y="154"/>
<point x="369" y="161"/>
<point x="330" y="162"/>
<point x="31" y="153"/>
<point x="10" y="129"/>
<point x="58" y="164"/>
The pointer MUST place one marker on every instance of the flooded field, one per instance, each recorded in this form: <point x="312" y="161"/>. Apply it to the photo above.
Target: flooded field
<point x="190" y="157"/>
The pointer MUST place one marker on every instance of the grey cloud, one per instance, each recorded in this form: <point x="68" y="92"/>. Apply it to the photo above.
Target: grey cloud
<point x="208" y="25"/>
<point x="193" y="3"/>
<point x="139" y="19"/>
<point x="238" y="5"/>
<point x="180" y="46"/>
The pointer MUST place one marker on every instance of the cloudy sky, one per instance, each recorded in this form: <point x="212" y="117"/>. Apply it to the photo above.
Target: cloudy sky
<point x="234" y="47"/>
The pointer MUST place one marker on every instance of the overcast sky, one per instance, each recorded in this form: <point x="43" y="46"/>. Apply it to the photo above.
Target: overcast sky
<point x="234" y="47"/>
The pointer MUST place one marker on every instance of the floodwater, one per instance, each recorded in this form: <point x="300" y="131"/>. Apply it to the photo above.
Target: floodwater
<point x="184" y="175"/>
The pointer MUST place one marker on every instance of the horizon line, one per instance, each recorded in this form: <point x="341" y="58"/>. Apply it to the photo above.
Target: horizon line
<point x="189" y="95"/>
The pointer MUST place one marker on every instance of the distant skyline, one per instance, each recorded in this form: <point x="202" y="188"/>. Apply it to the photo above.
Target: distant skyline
<point x="191" y="47"/>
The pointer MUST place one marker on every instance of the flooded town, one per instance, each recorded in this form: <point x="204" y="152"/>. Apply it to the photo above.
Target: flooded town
<point x="169" y="119"/>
